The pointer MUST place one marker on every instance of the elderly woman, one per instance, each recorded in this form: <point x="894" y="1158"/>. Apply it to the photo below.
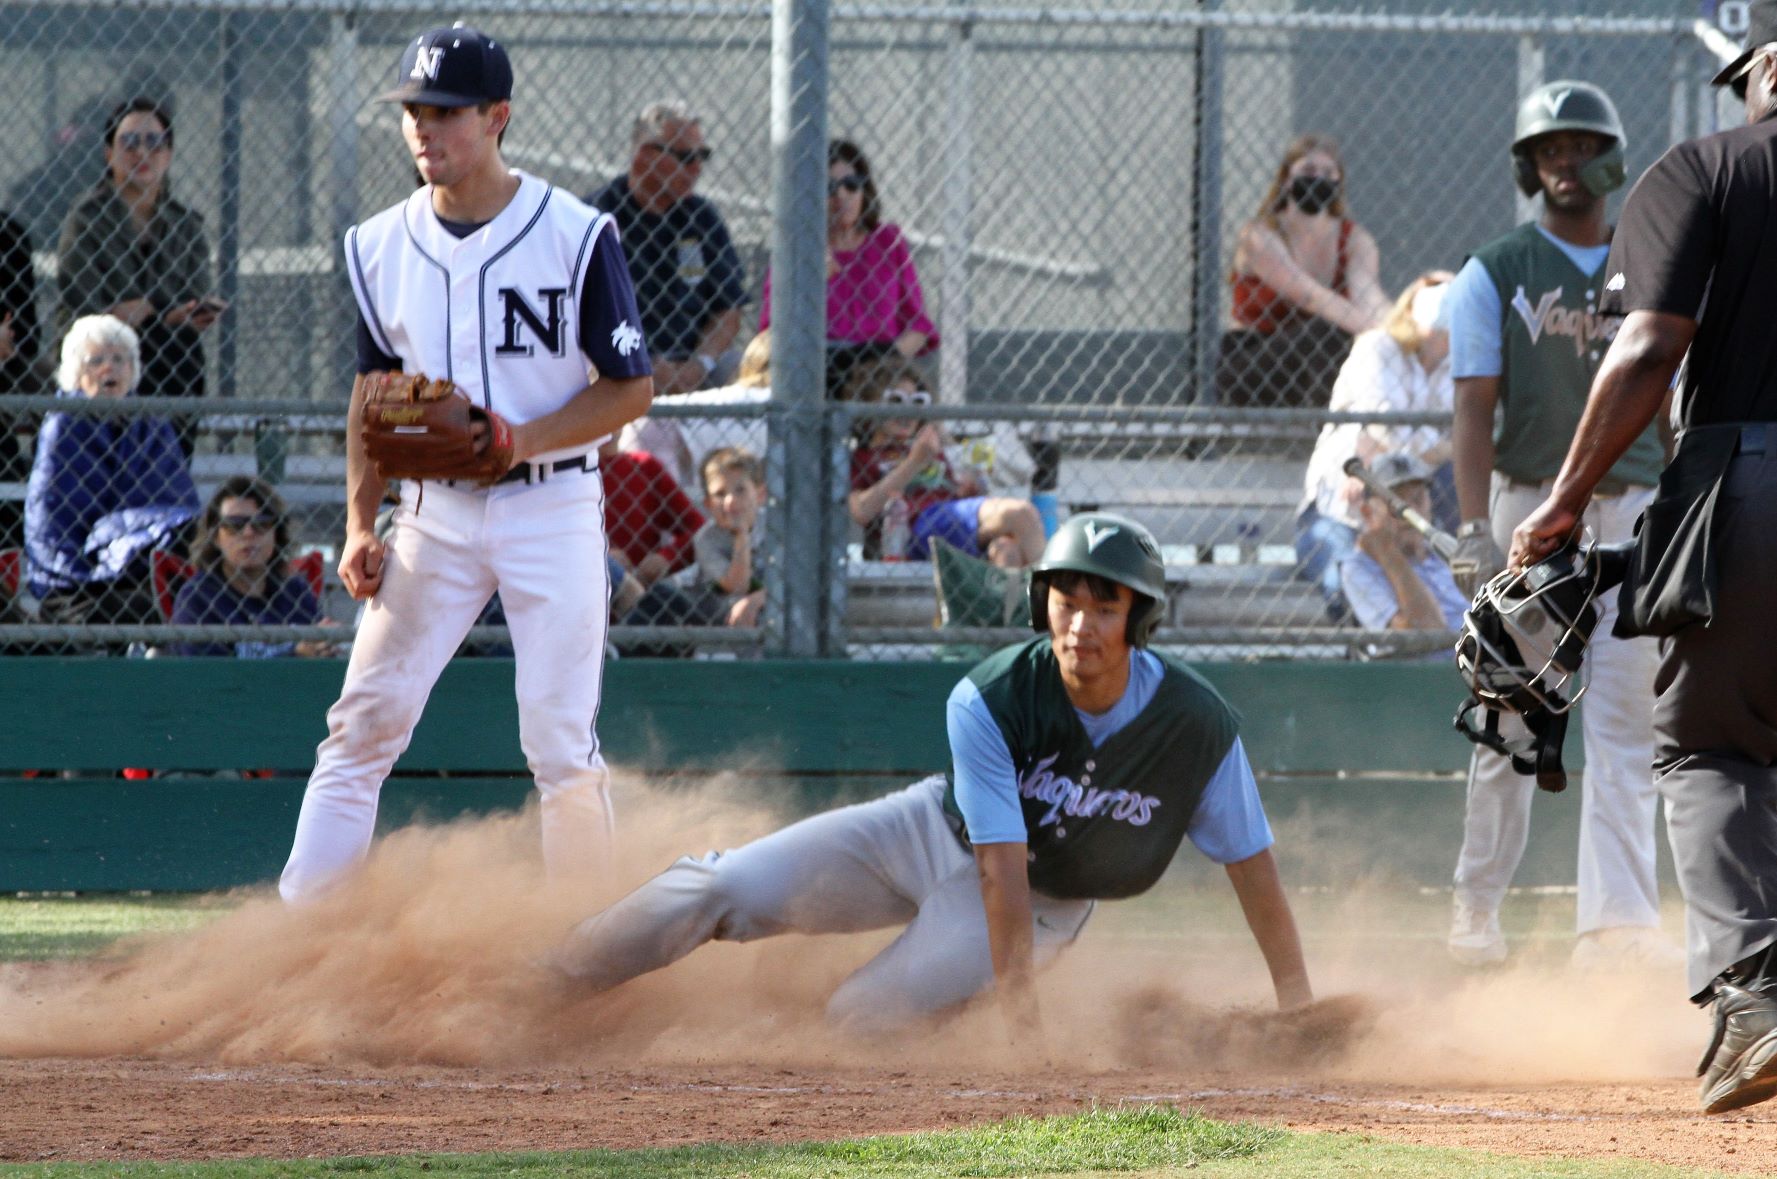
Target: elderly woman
<point x="1304" y="283"/>
<point x="243" y="575"/>
<point x="104" y="491"/>
<point x="131" y="251"/>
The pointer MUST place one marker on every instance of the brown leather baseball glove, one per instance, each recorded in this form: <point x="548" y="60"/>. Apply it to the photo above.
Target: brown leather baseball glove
<point x="418" y="427"/>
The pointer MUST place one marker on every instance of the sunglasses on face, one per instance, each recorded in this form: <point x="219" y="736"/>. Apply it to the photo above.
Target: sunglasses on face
<point x="685" y="156"/>
<point x="906" y="397"/>
<point x="260" y="521"/>
<point x="143" y="140"/>
<point x="848" y="183"/>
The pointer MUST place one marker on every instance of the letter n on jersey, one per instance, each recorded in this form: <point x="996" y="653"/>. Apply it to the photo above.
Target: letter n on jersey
<point x="518" y="311"/>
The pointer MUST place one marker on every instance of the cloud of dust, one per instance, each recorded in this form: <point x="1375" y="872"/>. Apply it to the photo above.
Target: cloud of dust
<point x="429" y="955"/>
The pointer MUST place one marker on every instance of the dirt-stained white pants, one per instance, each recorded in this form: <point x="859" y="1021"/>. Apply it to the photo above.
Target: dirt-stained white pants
<point x="542" y="546"/>
<point x="1617" y="885"/>
<point x="894" y="861"/>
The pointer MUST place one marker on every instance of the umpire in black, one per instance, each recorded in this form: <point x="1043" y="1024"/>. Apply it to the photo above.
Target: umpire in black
<point x="1693" y="267"/>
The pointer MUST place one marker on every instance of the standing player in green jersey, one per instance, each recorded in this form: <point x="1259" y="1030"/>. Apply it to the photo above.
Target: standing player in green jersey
<point x="1526" y="337"/>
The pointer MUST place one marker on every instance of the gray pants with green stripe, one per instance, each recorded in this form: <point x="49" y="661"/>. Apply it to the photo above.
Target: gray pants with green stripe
<point x="893" y="861"/>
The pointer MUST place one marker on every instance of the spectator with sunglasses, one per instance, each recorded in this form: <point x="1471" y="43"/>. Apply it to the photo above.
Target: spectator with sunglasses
<point x="874" y="301"/>
<point x="903" y="458"/>
<point x="243" y="574"/>
<point x="688" y="278"/>
<point x="131" y="251"/>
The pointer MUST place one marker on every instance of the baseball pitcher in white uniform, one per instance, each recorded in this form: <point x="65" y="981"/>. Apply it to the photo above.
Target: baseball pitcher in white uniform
<point x="518" y="294"/>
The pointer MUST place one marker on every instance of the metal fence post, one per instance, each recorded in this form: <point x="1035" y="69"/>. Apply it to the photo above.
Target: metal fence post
<point x="342" y="89"/>
<point x="799" y="319"/>
<point x="228" y="229"/>
<point x="1531" y="73"/>
<point x="1206" y="219"/>
<point x="959" y="177"/>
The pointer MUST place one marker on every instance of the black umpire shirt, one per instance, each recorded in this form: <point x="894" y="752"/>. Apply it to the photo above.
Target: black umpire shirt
<point x="1698" y="238"/>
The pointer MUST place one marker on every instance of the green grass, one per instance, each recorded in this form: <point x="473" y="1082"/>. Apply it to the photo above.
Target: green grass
<point x="1150" y="1139"/>
<point x="1326" y="1156"/>
<point x="1130" y="1143"/>
<point x="37" y="928"/>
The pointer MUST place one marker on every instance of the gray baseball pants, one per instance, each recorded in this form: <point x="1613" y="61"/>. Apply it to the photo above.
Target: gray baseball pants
<point x="893" y="861"/>
<point x="1617" y="884"/>
<point x="1715" y="729"/>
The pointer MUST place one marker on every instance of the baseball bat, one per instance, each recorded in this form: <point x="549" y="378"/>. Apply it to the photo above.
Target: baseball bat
<point x="1442" y="543"/>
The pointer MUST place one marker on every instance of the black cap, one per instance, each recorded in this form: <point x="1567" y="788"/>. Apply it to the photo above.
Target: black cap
<point x="1761" y="29"/>
<point x="458" y="66"/>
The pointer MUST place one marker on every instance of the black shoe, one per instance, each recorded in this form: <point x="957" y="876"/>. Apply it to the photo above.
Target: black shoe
<point x="1739" y="1067"/>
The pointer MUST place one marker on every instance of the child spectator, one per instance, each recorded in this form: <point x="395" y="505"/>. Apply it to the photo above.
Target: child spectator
<point x="733" y="489"/>
<point x="648" y="517"/>
<point x="902" y="460"/>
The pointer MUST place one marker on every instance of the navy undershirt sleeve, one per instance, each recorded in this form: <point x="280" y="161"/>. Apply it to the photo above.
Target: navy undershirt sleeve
<point x="372" y="359"/>
<point x="610" y="325"/>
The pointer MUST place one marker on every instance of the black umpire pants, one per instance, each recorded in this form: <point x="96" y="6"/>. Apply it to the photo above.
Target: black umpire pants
<point x="1715" y="731"/>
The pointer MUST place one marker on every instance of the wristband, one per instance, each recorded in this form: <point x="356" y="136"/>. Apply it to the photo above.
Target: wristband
<point x="708" y="362"/>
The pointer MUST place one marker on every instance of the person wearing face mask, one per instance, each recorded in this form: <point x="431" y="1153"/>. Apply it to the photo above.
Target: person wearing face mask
<point x="1304" y="283"/>
<point x="1402" y="366"/>
<point x="104" y="491"/>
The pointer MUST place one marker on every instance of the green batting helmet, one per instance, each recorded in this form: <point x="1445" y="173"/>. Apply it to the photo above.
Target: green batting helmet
<point x="1115" y="548"/>
<point x="1569" y="106"/>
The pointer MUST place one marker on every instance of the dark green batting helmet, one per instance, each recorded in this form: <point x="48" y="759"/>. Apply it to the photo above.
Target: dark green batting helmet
<point x="1569" y="106"/>
<point x="1115" y="548"/>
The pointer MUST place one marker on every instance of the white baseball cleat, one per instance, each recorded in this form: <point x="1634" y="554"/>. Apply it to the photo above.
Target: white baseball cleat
<point x="1475" y="939"/>
<point x="1626" y="947"/>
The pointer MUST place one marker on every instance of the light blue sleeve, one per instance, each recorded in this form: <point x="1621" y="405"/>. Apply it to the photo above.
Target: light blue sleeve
<point x="1230" y="823"/>
<point x="1368" y="591"/>
<point x="1472" y="313"/>
<point x="981" y="767"/>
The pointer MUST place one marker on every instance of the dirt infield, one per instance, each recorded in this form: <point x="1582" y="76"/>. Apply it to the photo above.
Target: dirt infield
<point x="60" y="1110"/>
<point x="406" y="1014"/>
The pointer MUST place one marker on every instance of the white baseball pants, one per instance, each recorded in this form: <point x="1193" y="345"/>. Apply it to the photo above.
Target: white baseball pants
<point x="894" y="861"/>
<point x="543" y="547"/>
<point x="1617" y="885"/>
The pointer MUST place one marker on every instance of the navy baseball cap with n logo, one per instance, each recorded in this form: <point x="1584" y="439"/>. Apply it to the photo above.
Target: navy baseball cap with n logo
<point x="457" y="66"/>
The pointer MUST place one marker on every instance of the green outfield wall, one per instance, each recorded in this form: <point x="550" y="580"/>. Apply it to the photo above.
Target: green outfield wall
<point x="1358" y="762"/>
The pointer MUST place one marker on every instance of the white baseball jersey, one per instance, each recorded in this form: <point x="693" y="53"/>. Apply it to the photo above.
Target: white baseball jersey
<point x="498" y="311"/>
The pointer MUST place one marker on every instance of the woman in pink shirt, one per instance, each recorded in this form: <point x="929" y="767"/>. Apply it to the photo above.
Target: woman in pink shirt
<point x="873" y="294"/>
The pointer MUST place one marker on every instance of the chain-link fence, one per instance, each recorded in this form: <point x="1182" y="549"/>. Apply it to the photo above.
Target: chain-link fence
<point x="1067" y="223"/>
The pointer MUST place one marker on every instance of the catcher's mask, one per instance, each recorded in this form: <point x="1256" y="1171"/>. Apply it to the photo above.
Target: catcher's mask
<point x="1115" y="548"/>
<point x="1523" y="639"/>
